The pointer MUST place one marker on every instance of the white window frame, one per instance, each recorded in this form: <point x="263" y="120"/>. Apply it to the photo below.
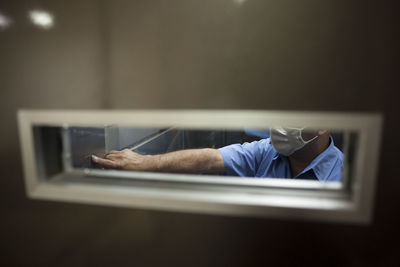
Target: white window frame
<point x="282" y="198"/>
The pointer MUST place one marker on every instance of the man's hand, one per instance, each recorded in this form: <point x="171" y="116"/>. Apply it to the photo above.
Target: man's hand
<point x="125" y="160"/>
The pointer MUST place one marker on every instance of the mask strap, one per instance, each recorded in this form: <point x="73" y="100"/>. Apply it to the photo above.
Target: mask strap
<point x="309" y="141"/>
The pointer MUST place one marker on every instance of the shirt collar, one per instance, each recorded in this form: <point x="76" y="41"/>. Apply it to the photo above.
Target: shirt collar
<point x="322" y="165"/>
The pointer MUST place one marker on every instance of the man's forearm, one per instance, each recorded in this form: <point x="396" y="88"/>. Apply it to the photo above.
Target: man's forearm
<point x="205" y="160"/>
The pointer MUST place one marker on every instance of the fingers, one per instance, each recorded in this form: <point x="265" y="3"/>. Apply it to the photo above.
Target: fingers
<point x="106" y="162"/>
<point x="112" y="156"/>
<point x="114" y="159"/>
<point x="117" y="152"/>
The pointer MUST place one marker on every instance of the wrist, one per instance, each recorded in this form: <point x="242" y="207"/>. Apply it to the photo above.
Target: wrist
<point x="152" y="162"/>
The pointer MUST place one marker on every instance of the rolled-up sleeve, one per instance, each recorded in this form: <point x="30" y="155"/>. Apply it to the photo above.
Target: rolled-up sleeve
<point x="241" y="160"/>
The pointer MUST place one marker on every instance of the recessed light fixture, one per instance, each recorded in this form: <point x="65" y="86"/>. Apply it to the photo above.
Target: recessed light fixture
<point x="42" y="19"/>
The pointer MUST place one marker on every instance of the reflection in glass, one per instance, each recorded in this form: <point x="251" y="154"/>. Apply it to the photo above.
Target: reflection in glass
<point x="278" y="152"/>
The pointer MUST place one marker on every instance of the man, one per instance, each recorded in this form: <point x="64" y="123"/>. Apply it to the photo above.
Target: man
<point x="288" y="153"/>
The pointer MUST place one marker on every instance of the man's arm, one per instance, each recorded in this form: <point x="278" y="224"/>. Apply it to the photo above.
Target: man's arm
<point x="206" y="160"/>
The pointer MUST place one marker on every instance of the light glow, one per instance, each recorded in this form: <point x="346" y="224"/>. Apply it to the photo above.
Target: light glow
<point x="42" y="19"/>
<point x="239" y="2"/>
<point x="5" y="21"/>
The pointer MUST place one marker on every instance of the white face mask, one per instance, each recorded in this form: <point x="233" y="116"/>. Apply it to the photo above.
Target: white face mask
<point x="287" y="140"/>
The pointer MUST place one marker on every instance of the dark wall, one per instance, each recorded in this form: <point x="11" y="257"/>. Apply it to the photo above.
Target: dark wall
<point x="322" y="55"/>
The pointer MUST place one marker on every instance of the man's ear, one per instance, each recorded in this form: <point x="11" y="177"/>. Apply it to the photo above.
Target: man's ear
<point x="322" y="132"/>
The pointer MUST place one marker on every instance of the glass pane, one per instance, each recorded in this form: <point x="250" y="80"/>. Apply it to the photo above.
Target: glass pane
<point x="276" y="152"/>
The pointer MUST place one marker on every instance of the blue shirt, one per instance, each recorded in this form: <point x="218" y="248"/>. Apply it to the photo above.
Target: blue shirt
<point x="260" y="159"/>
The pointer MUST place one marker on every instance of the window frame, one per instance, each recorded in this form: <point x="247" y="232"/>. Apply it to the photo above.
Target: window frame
<point x="293" y="199"/>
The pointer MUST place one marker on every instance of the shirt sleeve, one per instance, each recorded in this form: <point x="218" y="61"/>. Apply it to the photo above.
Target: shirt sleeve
<point x="242" y="159"/>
